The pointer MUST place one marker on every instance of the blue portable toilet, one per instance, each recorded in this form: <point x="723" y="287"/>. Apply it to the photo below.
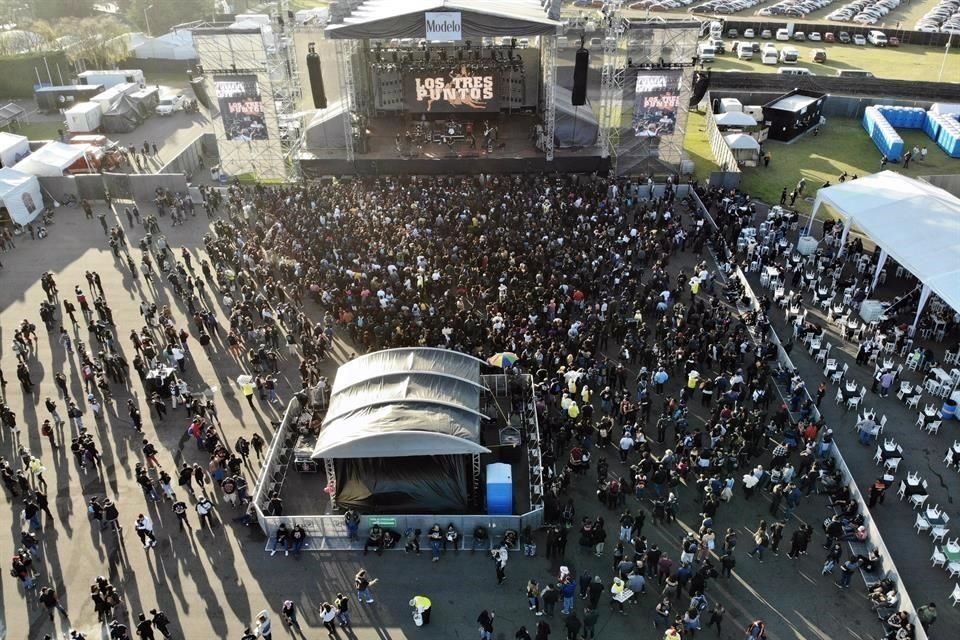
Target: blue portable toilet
<point x="499" y="489"/>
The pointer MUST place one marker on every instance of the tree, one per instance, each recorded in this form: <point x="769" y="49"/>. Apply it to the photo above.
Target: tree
<point x="164" y="14"/>
<point x="95" y="42"/>
<point x="56" y="9"/>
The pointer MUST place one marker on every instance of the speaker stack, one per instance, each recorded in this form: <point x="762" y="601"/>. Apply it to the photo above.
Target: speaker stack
<point x="579" y="93"/>
<point x="316" y="77"/>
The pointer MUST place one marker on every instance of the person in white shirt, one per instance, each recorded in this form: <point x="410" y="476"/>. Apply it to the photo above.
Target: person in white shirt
<point x="144" y="529"/>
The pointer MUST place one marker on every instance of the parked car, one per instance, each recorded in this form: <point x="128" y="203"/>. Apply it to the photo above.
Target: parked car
<point x="819" y="55"/>
<point x="783" y="35"/>
<point x="789" y="55"/>
<point x="859" y="40"/>
<point x="718" y="46"/>
<point x="844" y="37"/>
<point x="815" y="36"/>
<point x="732" y="33"/>
<point x="893" y="41"/>
<point x="766" y="34"/>
<point x="854" y="73"/>
<point x="770" y="55"/>
<point x="169" y="105"/>
<point x="749" y="33"/>
<point x="877" y="38"/>
<point x="799" y="36"/>
<point x="829" y="37"/>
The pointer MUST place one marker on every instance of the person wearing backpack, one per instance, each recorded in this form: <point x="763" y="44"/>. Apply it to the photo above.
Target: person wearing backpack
<point x="761" y="539"/>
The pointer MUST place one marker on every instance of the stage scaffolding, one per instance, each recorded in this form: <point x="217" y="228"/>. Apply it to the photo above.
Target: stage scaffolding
<point x="548" y="58"/>
<point x="243" y="52"/>
<point x="611" y="81"/>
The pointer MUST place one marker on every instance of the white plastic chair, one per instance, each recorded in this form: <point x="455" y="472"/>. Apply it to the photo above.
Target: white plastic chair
<point x="938" y="533"/>
<point x="913" y="401"/>
<point x="917" y="500"/>
<point x="934" y="427"/>
<point x="878" y="457"/>
<point x="938" y="559"/>
<point x="902" y="491"/>
<point x="829" y="367"/>
<point x="921" y="524"/>
<point x="913" y="477"/>
<point x="905" y="388"/>
<point x="839" y="375"/>
<point x="854" y="402"/>
<point x="920" y="420"/>
<point x="839" y="397"/>
<point x="954" y="569"/>
<point x="955" y="595"/>
<point x="953" y="545"/>
<point x="821" y="356"/>
<point x="891" y="464"/>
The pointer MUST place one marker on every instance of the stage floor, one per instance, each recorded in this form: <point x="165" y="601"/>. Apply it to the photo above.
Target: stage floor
<point x="514" y="151"/>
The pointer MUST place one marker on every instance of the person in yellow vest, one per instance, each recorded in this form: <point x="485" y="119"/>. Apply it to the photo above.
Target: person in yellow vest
<point x="421" y="605"/>
<point x="573" y="411"/>
<point x="586" y="394"/>
<point x="565" y="402"/>
<point x="695" y="286"/>
<point x="247" y="389"/>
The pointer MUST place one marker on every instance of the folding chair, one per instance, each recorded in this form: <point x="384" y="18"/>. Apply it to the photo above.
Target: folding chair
<point x="938" y="559"/>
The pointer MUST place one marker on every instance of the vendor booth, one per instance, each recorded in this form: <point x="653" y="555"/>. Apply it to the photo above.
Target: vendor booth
<point x="20" y="196"/>
<point x="54" y="159"/>
<point x="13" y="148"/>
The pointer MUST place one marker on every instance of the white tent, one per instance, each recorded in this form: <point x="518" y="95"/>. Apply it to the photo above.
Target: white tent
<point x="913" y="222"/>
<point x="20" y="195"/>
<point x="176" y="45"/>
<point x="735" y="119"/>
<point x="745" y="148"/>
<point x="13" y="148"/>
<point x="52" y="159"/>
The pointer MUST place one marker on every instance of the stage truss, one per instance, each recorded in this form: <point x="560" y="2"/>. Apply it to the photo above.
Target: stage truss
<point x="265" y="54"/>
<point x="655" y="45"/>
<point x="611" y="81"/>
<point x="548" y="57"/>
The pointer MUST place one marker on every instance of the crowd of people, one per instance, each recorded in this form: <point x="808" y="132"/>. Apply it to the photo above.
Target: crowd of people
<point x="649" y="380"/>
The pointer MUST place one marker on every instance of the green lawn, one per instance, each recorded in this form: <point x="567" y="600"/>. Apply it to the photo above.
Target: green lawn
<point x="843" y="145"/>
<point x="42" y="130"/>
<point x="909" y="62"/>
<point x="299" y="5"/>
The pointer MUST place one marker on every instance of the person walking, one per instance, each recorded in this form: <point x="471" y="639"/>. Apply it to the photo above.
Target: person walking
<point x="48" y="597"/>
<point x="144" y="529"/>
<point x="716" y="617"/>
<point x="363" y="583"/>
<point x="145" y="627"/>
<point x="289" y="612"/>
<point x="180" y="510"/>
<point x="573" y="626"/>
<point x="329" y="615"/>
<point x="500" y="558"/>
<point x="422" y="605"/>
<point x="264" y="626"/>
<point x="485" y="620"/>
<point x="161" y="622"/>
<point x="342" y="603"/>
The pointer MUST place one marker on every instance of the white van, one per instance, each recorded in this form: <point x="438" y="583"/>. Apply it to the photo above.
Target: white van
<point x="783" y="35"/>
<point x="789" y="55"/>
<point x="795" y="71"/>
<point x="716" y="29"/>
<point x="769" y="55"/>
<point x="706" y="52"/>
<point x="744" y="50"/>
<point x="877" y="38"/>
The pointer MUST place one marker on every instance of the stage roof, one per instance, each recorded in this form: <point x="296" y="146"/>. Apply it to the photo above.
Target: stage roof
<point x="385" y="19"/>
<point x="404" y="402"/>
<point x="917" y="224"/>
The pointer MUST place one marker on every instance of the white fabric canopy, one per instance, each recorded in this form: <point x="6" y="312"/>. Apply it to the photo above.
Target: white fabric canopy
<point x="52" y="159"/>
<point x="735" y="119"/>
<point x="915" y="223"/>
<point x="404" y="402"/>
<point x="741" y="141"/>
<point x="20" y="195"/>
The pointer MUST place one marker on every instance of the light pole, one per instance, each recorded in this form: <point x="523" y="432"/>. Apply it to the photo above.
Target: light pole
<point x="946" y="53"/>
<point x="147" y="19"/>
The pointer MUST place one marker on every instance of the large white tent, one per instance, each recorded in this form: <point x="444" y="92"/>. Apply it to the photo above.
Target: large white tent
<point x="52" y="159"/>
<point x="20" y="195"/>
<point x="13" y="148"/>
<point x="911" y="221"/>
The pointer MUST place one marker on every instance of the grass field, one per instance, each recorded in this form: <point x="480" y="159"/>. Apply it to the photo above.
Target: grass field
<point x="842" y="145"/>
<point x="41" y="130"/>
<point x="909" y="62"/>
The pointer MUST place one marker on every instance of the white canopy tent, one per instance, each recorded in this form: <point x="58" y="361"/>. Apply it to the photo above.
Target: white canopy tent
<point x="735" y="119"/>
<point x="52" y="159"/>
<point x="913" y="222"/>
<point x="20" y="196"/>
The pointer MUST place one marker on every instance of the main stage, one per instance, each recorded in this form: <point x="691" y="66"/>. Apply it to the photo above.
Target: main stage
<point x="391" y="147"/>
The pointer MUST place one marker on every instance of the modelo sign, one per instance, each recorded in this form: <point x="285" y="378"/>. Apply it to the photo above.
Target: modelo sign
<point x="443" y="25"/>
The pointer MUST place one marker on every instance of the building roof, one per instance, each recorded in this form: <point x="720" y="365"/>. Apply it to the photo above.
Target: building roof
<point x="384" y="19"/>
<point x="404" y="402"/>
<point x="916" y="223"/>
